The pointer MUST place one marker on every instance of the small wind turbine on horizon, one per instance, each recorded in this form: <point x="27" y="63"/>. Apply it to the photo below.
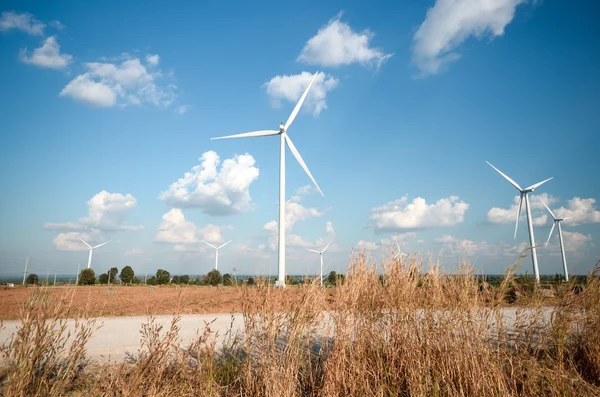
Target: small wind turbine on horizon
<point x="524" y="195"/>
<point x="399" y="253"/>
<point x="321" y="255"/>
<point x="91" y="249"/>
<point x="282" y="132"/>
<point x="557" y="221"/>
<point x="217" y="252"/>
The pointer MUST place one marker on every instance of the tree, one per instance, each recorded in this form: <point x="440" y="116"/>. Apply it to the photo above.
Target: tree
<point x="332" y="278"/>
<point x="103" y="278"/>
<point x="113" y="274"/>
<point x="176" y="280"/>
<point x="251" y="281"/>
<point x="214" y="277"/>
<point x="32" y="279"/>
<point x="185" y="279"/>
<point x="87" y="277"/>
<point x="151" y="281"/>
<point x="127" y="275"/>
<point x="227" y="280"/>
<point x="136" y="280"/>
<point x="162" y="277"/>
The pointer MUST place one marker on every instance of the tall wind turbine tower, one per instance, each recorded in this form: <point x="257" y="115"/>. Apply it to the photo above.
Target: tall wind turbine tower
<point x="321" y="255"/>
<point x="91" y="249"/>
<point x="524" y="196"/>
<point x="399" y="253"/>
<point x="284" y="138"/>
<point x="217" y="252"/>
<point x="557" y="221"/>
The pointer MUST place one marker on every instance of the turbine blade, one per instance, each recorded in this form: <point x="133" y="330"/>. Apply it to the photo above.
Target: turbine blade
<point x="225" y="244"/>
<point x="100" y="245"/>
<point x="308" y="249"/>
<point x="327" y="246"/>
<point x="249" y="134"/>
<point x="402" y="253"/>
<point x="550" y="235"/>
<point x="567" y="217"/>
<point x="209" y="244"/>
<point x="294" y="113"/>
<point x="515" y="184"/>
<point x="551" y="213"/>
<point x="398" y="245"/>
<point x="518" y="214"/>
<point x="89" y="246"/>
<point x="532" y="187"/>
<point x="299" y="158"/>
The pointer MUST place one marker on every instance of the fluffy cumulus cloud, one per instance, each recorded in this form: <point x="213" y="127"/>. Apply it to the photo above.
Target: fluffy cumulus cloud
<point x="329" y="229"/>
<point x="70" y="241"/>
<point x="336" y="44"/>
<point x="21" y="21"/>
<point x="450" y="22"/>
<point x="509" y="215"/>
<point x="106" y="212"/>
<point x="367" y="245"/>
<point x="389" y="243"/>
<point x="401" y="214"/>
<point x="175" y="229"/>
<point x="579" y="211"/>
<point x="576" y="242"/>
<point x="124" y="82"/>
<point x="290" y="88"/>
<point x="223" y="190"/>
<point x="47" y="56"/>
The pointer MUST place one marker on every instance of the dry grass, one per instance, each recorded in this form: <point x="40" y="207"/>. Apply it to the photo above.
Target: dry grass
<point x="406" y="333"/>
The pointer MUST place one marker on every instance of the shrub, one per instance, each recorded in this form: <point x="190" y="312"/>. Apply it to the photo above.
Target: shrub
<point x="332" y="278"/>
<point x="214" y="277"/>
<point x="87" y="277"/>
<point x="185" y="279"/>
<point x="251" y="281"/>
<point x="175" y="280"/>
<point x="152" y="281"/>
<point x="32" y="279"/>
<point x="113" y="274"/>
<point x="227" y="280"/>
<point x="127" y="275"/>
<point x="136" y="280"/>
<point x="162" y="277"/>
<point x="103" y="278"/>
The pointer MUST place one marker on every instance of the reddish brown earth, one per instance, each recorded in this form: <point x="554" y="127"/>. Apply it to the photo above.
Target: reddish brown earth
<point x="101" y="301"/>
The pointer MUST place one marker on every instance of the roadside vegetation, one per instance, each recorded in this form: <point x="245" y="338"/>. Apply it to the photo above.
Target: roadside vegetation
<point x="405" y="332"/>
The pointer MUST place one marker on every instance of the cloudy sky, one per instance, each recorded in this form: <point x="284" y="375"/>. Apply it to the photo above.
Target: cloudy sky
<point x="107" y="111"/>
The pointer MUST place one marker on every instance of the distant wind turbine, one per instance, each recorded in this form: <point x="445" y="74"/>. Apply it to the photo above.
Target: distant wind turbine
<point x="321" y="255"/>
<point x="91" y="249"/>
<point x="400" y="253"/>
<point x="524" y="195"/>
<point x="217" y="252"/>
<point x="283" y="140"/>
<point x="557" y="221"/>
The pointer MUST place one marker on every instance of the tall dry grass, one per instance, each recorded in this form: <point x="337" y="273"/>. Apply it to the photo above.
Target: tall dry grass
<point x="411" y="331"/>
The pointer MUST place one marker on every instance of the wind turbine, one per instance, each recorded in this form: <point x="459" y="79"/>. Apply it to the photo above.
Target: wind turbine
<point x="217" y="252"/>
<point x="524" y="195"/>
<point x="557" y="221"/>
<point x="400" y="253"/>
<point x="282" y="132"/>
<point x="92" y="250"/>
<point x="321" y="255"/>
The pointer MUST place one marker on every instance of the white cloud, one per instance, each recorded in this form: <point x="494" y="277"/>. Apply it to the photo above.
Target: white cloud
<point x="580" y="211"/>
<point x="466" y="247"/>
<point x="21" y="21"/>
<point x="291" y="88"/>
<point x="400" y="214"/>
<point x="106" y="212"/>
<point x="329" y="229"/>
<point x="175" y="229"/>
<point x="336" y="44"/>
<point x="84" y="89"/>
<point x="211" y="233"/>
<point x="576" y="242"/>
<point x="223" y="191"/>
<point x="58" y="25"/>
<point x="182" y="109"/>
<point x="133" y="252"/>
<point x="47" y="56"/>
<point x="450" y="22"/>
<point x="128" y="83"/>
<point x="152" y="60"/>
<point x="70" y="241"/>
<point x="367" y="245"/>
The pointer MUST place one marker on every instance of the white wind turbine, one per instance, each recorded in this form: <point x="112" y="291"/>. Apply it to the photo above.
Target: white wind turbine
<point x="524" y="195"/>
<point x="91" y="249"/>
<point x="321" y="255"/>
<point x="217" y="252"/>
<point x="282" y="132"/>
<point x="400" y="253"/>
<point x="557" y="221"/>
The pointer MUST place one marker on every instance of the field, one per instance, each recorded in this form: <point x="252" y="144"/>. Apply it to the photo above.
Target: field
<point x="408" y="333"/>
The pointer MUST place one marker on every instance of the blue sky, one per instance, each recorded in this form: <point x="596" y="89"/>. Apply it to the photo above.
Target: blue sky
<point x="108" y="111"/>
